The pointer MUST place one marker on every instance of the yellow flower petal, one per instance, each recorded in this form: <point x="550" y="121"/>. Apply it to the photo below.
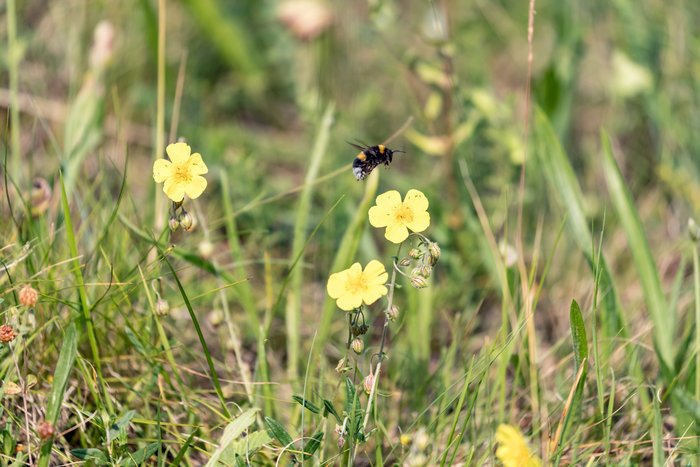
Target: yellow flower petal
<point x="376" y="273"/>
<point x="373" y="293"/>
<point x="178" y="152"/>
<point x="197" y="165"/>
<point x="379" y="216"/>
<point x="162" y="169"/>
<point x="396" y="233"/>
<point x="389" y="200"/>
<point x="336" y="284"/>
<point x="416" y="201"/>
<point x="420" y="222"/>
<point x="195" y="187"/>
<point x="174" y="190"/>
<point x="349" y="302"/>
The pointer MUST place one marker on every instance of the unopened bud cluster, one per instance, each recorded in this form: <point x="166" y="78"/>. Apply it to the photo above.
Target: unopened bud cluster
<point x="424" y="257"/>
<point x="182" y="219"/>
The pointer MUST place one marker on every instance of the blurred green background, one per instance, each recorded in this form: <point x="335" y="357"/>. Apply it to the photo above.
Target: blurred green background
<point x="265" y="91"/>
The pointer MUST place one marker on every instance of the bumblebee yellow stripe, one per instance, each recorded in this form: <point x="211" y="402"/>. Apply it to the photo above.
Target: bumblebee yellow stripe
<point x="362" y="156"/>
<point x="382" y="148"/>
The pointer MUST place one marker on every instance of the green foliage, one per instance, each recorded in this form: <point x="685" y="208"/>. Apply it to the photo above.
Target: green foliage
<point x="221" y="346"/>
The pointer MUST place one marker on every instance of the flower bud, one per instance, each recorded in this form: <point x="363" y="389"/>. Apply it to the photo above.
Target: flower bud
<point x="162" y="307"/>
<point x="340" y="367"/>
<point x="28" y="296"/>
<point x="341" y="442"/>
<point x="206" y="248"/>
<point x="174" y="224"/>
<point x="359" y="329"/>
<point x="693" y="230"/>
<point x="415" y="253"/>
<point x="186" y="221"/>
<point x="405" y="262"/>
<point x="392" y="313"/>
<point x="357" y="345"/>
<point x="7" y="334"/>
<point x="45" y="430"/>
<point x="215" y="317"/>
<point x="418" y="281"/>
<point x="40" y="197"/>
<point x="426" y="271"/>
<point x="434" y="251"/>
<point x="368" y="383"/>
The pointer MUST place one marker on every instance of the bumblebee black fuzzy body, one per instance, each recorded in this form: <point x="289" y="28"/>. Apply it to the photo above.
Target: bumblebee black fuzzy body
<point x="369" y="158"/>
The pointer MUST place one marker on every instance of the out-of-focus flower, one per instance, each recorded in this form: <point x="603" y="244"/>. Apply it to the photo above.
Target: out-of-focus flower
<point x="41" y="196"/>
<point x="182" y="174"/>
<point x="45" y="430"/>
<point x="513" y="450"/>
<point x="306" y="19"/>
<point x="28" y="296"/>
<point x="7" y="334"/>
<point x="400" y="216"/>
<point x="354" y="286"/>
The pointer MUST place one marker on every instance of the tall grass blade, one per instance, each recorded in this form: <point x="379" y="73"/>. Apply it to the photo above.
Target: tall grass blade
<point x="244" y="291"/>
<point x="563" y="183"/>
<point x="64" y="365"/>
<point x="82" y="292"/>
<point x="207" y="354"/>
<point x="293" y="311"/>
<point x="659" y="312"/>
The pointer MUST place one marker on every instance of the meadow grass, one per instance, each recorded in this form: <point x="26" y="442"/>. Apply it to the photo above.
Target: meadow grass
<point x="555" y="325"/>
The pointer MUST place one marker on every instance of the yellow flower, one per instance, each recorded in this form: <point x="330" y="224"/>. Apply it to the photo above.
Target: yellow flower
<point x="181" y="173"/>
<point x="353" y="286"/>
<point x="399" y="216"/>
<point x="513" y="450"/>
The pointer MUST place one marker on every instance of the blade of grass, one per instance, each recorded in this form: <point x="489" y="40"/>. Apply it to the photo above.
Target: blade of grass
<point x="293" y="310"/>
<point x="64" y="365"/>
<point x="657" y="307"/>
<point x="13" y="56"/>
<point x="82" y="292"/>
<point x="244" y="292"/>
<point x="207" y="354"/>
<point x="562" y="180"/>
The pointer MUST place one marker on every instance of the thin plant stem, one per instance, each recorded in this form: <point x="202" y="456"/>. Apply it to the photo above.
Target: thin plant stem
<point x="13" y="68"/>
<point x="160" y="109"/>
<point x="375" y="374"/>
<point x="696" y="273"/>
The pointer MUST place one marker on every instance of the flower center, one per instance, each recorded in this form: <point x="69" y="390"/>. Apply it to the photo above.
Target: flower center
<point x="356" y="283"/>
<point x="403" y="214"/>
<point x="182" y="174"/>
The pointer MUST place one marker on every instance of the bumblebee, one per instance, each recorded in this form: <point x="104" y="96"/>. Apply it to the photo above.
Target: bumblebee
<point x="369" y="158"/>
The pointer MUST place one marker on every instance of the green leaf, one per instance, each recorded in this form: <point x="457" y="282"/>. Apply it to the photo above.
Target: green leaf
<point x="92" y="454"/>
<point x="139" y="457"/>
<point x="119" y="427"/>
<point x="277" y="431"/>
<point x="578" y="335"/>
<point x="305" y="403"/>
<point x="232" y="431"/>
<point x="133" y="338"/>
<point x="329" y="409"/>
<point x="312" y="446"/>
<point x="244" y="447"/>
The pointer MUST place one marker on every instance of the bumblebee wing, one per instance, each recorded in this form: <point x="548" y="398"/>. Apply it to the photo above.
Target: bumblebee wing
<point x="361" y="148"/>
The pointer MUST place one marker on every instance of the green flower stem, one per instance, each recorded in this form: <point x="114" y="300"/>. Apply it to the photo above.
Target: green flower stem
<point x="377" y="370"/>
<point x="696" y="273"/>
